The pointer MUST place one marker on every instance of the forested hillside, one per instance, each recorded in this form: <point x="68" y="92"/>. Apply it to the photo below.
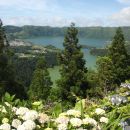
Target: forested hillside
<point x="38" y="31"/>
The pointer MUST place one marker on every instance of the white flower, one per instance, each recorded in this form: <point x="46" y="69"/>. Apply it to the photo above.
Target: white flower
<point x="63" y="114"/>
<point x="81" y="128"/>
<point x="62" y="120"/>
<point x="16" y="123"/>
<point x="91" y="121"/>
<point x="21" y="127"/>
<point x="43" y="118"/>
<point x="98" y="127"/>
<point x="14" y="109"/>
<point x="29" y="125"/>
<point x="100" y="111"/>
<point x="62" y="127"/>
<point x="48" y="129"/>
<point x="74" y="113"/>
<point x="5" y="126"/>
<point x="104" y="120"/>
<point x="5" y="120"/>
<point x="30" y="115"/>
<point x="76" y="122"/>
<point x="21" y="111"/>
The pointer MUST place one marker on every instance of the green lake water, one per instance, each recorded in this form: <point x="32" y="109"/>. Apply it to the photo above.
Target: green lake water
<point x="58" y="42"/>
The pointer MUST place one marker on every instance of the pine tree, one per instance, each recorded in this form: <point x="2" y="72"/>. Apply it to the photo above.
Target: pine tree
<point x="41" y="82"/>
<point x="5" y="70"/>
<point x="73" y="80"/>
<point x="120" y="58"/>
<point x="105" y="75"/>
<point x="7" y="76"/>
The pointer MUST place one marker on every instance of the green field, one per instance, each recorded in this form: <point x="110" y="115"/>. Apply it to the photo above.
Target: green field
<point x="54" y="73"/>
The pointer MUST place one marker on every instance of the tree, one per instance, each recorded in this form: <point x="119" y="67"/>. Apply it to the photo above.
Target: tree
<point x="41" y="82"/>
<point x="7" y="76"/>
<point x="120" y="58"/>
<point x="73" y="80"/>
<point x="105" y="74"/>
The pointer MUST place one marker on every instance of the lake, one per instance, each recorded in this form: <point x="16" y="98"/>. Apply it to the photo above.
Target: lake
<point x="58" y="42"/>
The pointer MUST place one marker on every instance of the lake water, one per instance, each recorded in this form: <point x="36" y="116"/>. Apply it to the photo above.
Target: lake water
<point x="58" y="42"/>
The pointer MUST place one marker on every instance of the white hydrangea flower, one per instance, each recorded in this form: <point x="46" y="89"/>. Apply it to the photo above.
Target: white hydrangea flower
<point x="21" y="127"/>
<point x="62" y="127"/>
<point x="100" y="111"/>
<point x="74" y="113"/>
<point x="81" y="128"/>
<point x="16" y="123"/>
<point x="63" y="114"/>
<point x="48" y="129"/>
<point x="21" y="111"/>
<point x="29" y="125"/>
<point x="76" y="122"/>
<point x="43" y="118"/>
<point x="5" y="126"/>
<point x="30" y="115"/>
<point x="98" y="127"/>
<point x="5" y="120"/>
<point x="91" y="121"/>
<point x="62" y="120"/>
<point x="14" y="109"/>
<point x="104" y="120"/>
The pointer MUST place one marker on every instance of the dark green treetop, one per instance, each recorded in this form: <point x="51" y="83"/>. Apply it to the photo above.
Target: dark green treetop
<point x="105" y="74"/>
<point x="7" y="75"/>
<point x="73" y="80"/>
<point x="120" y="58"/>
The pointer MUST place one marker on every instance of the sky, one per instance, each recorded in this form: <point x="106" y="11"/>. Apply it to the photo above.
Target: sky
<point x="62" y="12"/>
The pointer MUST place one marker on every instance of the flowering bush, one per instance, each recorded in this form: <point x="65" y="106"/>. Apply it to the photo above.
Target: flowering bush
<point x="105" y="115"/>
<point x="23" y="118"/>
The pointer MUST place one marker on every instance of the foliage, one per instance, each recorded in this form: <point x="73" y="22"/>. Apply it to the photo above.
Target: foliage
<point x="105" y="74"/>
<point x="119" y="57"/>
<point x="8" y="82"/>
<point x="85" y="115"/>
<point x="94" y="91"/>
<point x="41" y="82"/>
<point x="115" y="67"/>
<point x="88" y="32"/>
<point x="73" y="71"/>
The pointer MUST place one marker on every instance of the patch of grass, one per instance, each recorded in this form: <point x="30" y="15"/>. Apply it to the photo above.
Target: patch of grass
<point x="55" y="74"/>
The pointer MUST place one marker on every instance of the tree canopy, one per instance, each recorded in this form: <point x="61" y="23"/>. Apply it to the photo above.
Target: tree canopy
<point x="41" y="82"/>
<point x="73" y="80"/>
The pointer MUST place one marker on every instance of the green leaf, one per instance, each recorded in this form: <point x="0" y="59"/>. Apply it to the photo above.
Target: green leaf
<point x="57" y="110"/>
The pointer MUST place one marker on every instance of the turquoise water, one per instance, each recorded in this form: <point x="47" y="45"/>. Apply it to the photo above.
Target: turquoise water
<point x="58" y="42"/>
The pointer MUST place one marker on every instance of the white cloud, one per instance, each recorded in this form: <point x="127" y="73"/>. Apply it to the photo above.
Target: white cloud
<point x="25" y="4"/>
<point x="20" y="21"/>
<point x="49" y="12"/>
<point x="121" y="18"/>
<point x="53" y="21"/>
<point x="124" y="1"/>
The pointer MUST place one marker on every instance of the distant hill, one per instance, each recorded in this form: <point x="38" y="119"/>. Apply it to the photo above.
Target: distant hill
<point x="38" y="31"/>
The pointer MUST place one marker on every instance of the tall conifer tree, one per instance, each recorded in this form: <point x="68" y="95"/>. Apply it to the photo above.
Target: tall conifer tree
<point x="73" y="80"/>
<point x="7" y="76"/>
<point x="120" y="58"/>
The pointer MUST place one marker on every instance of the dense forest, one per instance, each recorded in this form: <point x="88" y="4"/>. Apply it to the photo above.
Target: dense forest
<point x="81" y="99"/>
<point x="88" y="32"/>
